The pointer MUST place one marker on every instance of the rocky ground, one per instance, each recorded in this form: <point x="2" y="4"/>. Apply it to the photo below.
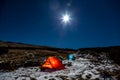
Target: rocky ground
<point x="20" y="61"/>
<point x="14" y="55"/>
<point x="84" y="67"/>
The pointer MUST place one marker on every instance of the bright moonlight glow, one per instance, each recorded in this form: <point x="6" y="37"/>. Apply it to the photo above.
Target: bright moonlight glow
<point x="66" y="18"/>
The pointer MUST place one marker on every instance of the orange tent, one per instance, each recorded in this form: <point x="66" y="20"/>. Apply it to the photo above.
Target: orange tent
<point x="52" y="64"/>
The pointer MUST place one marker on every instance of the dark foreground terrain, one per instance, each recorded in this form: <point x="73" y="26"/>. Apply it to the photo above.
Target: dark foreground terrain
<point x="22" y="61"/>
<point x="14" y="55"/>
<point x="112" y="53"/>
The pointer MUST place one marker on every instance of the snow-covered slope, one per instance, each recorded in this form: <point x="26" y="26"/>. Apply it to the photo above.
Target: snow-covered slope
<point x="80" y="69"/>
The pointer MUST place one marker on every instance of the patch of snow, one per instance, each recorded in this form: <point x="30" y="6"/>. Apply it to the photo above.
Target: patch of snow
<point x="81" y="67"/>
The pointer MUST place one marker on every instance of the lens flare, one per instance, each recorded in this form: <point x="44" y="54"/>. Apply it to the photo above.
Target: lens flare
<point x="66" y="18"/>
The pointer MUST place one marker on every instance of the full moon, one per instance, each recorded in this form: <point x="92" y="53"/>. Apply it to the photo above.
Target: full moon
<point x="66" y="18"/>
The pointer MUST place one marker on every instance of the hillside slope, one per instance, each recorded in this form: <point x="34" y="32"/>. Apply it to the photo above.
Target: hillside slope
<point x="111" y="52"/>
<point x="14" y="55"/>
<point x="82" y="68"/>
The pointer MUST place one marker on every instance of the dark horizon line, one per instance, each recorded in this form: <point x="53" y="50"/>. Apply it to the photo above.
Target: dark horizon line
<point x="58" y="47"/>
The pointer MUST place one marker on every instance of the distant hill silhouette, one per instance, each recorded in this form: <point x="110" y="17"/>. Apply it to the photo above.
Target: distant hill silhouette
<point x="14" y="45"/>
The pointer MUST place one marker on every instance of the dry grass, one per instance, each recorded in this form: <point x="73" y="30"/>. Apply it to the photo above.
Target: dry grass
<point x="15" y="57"/>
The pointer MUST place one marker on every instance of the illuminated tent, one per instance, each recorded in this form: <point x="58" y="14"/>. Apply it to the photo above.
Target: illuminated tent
<point x="71" y="57"/>
<point x="52" y="64"/>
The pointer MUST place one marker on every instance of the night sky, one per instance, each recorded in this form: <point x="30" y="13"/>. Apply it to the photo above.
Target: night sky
<point x="94" y="23"/>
